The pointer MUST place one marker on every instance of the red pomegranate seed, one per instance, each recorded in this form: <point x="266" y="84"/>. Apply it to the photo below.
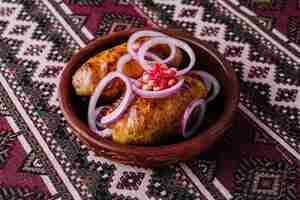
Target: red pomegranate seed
<point x="171" y="82"/>
<point x="163" y="83"/>
<point x="147" y="87"/>
<point x="156" y="88"/>
<point x="156" y="83"/>
<point x="156" y="67"/>
<point x="139" y="83"/>
<point x="146" y="77"/>
<point x="164" y="66"/>
<point x="151" y="82"/>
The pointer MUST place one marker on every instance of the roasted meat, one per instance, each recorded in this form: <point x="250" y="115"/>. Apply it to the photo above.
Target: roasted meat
<point x="157" y="120"/>
<point x="91" y="72"/>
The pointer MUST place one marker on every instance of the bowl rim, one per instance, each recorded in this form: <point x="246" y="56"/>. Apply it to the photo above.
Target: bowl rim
<point x="223" y="122"/>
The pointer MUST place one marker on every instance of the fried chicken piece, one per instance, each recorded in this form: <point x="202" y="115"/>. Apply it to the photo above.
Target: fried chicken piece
<point x="156" y="121"/>
<point x="96" y="68"/>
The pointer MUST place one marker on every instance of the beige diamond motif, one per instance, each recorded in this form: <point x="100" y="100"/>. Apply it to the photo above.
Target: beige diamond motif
<point x="188" y="13"/>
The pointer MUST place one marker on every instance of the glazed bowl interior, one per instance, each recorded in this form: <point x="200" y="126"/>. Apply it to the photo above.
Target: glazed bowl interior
<point x="218" y="116"/>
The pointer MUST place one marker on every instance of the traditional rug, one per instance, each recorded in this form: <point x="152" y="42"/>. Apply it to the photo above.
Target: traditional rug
<point x="40" y="158"/>
<point x="284" y="15"/>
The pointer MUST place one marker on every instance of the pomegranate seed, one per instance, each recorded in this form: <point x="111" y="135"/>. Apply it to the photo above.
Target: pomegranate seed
<point x="162" y="87"/>
<point x="145" y="77"/>
<point x="172" y="72"/>
<point x="171" y="82"/>
<point x="146" y="87"/>
<point x="151" y="69"/>
<point x="156" y="83"/>
<point x="151" y="82"/>
<point x="139" y="83"/>
<point x="154" y="76"/>
<point x="164" y="66"/>
<point x="156" y="67"/>
<point x="168" y="71"/>
<point x="163" y="83"/>
<point x="151" y="74"/>
<point x="150" y="86"/>
<point x="156" y="88"/>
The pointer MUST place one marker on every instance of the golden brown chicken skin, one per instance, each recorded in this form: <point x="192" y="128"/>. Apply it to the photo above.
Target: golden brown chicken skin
<point x="155" y="121"/>
<point x="96" y="68"/>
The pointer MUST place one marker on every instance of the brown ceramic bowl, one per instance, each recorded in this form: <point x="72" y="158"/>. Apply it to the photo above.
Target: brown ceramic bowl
<point x="218" y="118"/>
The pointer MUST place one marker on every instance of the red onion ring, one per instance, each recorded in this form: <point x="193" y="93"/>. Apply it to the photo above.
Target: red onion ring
<point x="187" y="113"/>
<point x="140" y="34"/>
<point x="153" y="34"/>
<point x="211" y="83"/>
<point x="135" y="36"/>
<point x="122" y="61"/>
<point x="169" y="41"/>
<point x="158" y="94"/>
<point x="104" y="132"/>
<point x="203" y="76"/>
<point x="118" y="111"/>
<point x="98" y="110"/>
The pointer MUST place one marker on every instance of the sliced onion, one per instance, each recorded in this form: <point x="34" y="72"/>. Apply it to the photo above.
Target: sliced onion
<point x="98" y="110"/>
<point x="169" y="41"/>
<point x="203" y="75"/>
<point x="160" y="93"/>
<point x="187" y="114"/>
<point x="122" y="61"/>
<point x="118" y="111"/>
<point x="211" y="83"/>
<point x="135" y="36"/>
<point x="104" y="132"/>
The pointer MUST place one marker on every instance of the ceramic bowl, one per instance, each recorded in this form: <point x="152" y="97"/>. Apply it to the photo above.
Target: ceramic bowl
<point x="218" y="118"/>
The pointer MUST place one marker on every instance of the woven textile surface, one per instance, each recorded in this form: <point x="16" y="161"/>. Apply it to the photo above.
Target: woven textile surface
<point x="258" y="158"/>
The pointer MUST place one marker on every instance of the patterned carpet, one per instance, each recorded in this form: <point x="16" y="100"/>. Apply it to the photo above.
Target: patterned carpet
<point x="284" y="15"/>
<point x="258" y="159"/>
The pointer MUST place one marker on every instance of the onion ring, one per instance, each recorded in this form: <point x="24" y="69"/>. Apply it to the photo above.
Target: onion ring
<point x="187" y="113"/>
<point x="98" y="110"/>
<point x="105" y="132"/>
<point x="122" y="61"/>
<point x="211" y="83"/>
<point x="140" y="34"/>
<point x="118" y="111"/>
<point x="132" y="39"/>
<point x="203" y="76"/>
